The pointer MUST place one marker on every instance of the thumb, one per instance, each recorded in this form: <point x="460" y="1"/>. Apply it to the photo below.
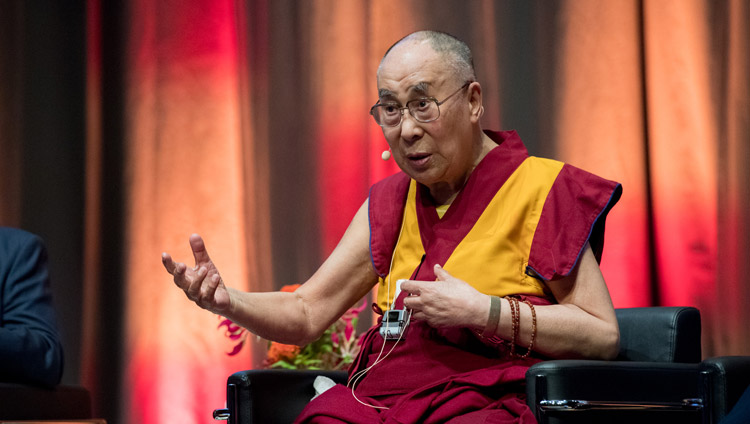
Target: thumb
<point x="199" y="249"/>
<point x="440" y="273"/>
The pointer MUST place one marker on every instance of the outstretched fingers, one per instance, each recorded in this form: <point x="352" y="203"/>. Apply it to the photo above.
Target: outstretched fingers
<point x="195" y="283"/>
<point x="201" y="283"/>
<point x="168" y="263"/>
<point x="199" y="249"/>
<point x="208" y="290"/>
<point x="190" y="282"/>
<point x="172" y="267"/>
<point x="176" y="269"/>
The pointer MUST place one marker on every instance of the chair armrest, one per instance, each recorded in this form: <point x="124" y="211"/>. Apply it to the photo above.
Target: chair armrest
<point x="729" y="377"/>
<point x="652" y="383"/>
<point x="660" y="334"/>
<point x="272" y="396"/>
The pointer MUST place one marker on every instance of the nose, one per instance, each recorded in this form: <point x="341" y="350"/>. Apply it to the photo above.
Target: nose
<point x="411" y="130"/>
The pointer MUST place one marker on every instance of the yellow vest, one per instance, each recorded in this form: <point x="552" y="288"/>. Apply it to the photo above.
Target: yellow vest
<point x="532" y="217"/>
<point x="494" y="255"/>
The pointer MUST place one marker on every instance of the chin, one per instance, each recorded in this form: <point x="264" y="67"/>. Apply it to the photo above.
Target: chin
<point x="426" y="178"/>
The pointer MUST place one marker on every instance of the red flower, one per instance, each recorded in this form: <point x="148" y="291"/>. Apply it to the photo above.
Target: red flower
<point x="235" y="333"/>
<point x="279" y="351"/>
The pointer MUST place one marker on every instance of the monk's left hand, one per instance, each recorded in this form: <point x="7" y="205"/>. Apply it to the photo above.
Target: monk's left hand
<point x="447" y="302"/>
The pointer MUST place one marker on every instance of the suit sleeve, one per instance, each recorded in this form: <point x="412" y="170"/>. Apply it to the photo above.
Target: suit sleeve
<point x="30" y="348"/>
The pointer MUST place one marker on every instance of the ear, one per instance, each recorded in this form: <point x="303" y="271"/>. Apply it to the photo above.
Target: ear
<point x="476" y="110"/>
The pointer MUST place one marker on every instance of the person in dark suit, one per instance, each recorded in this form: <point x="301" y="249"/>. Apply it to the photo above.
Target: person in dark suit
<point x="30" y="347"/>
<point x="740" y="413"/>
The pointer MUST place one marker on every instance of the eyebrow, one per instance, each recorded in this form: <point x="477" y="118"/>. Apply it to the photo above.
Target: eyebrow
<point x="420" y="88"/>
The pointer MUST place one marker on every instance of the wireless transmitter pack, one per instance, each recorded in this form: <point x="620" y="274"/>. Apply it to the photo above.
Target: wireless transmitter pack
<point x="394" y="323"/>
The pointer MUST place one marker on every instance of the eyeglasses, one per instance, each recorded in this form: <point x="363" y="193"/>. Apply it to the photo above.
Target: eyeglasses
<point x="423" y="109"/>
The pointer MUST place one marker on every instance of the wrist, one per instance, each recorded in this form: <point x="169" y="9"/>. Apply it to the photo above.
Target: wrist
<point x="231" y="309"/>
<point x="491" y="317"/>
<point x="480" y="309"/>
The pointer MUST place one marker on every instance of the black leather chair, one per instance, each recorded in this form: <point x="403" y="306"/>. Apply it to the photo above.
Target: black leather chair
<point x="658" y="377"/>
<point x="270" y="396"/>
<point x="727" y="379"/>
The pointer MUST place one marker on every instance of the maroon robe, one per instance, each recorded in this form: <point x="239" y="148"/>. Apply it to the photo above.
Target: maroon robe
<point x="452" y="375"/>
<point x="433" y="376"/>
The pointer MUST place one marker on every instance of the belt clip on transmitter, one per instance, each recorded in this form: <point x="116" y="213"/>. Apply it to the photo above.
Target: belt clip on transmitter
<point x="394" y="323"/>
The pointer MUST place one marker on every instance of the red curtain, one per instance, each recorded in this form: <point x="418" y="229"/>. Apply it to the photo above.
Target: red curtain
<point x="598" y="124"/>
<point x="247" y="122"/>
<point x="651" y="93"/>
<point x="189" y="165"/>
<point x="636" y="97"/>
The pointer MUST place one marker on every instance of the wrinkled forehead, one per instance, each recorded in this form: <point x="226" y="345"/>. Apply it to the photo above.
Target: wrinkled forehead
<point x="420" y="89"/>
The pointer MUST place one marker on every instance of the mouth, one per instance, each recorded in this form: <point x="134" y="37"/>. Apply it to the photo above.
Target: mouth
<point x="418" y="160"/>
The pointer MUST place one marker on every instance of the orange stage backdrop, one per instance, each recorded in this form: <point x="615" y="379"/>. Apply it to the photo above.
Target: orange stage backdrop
<point x="183" y="173"/>
<point x="247" y="123"/>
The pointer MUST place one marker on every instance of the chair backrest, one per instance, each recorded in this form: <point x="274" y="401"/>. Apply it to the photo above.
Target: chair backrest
<point x="660" y="334"/>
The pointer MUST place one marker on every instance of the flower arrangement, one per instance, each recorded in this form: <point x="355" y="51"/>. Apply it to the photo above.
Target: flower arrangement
<point x="334" y="350"/>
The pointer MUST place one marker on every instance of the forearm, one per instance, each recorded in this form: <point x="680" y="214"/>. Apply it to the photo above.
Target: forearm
<point x="302" y="316"/>
<point x="581" y="325"/>
<point x="29" y="356"/>
<point x="278" y="316"/>
<point x="562" y="331"/>
<point x="293" y="318"/>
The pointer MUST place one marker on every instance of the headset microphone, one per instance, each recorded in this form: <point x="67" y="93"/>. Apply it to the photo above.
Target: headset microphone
<point x="386" y="155"/>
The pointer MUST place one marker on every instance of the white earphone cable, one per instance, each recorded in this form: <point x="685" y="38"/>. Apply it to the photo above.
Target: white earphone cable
<point x="358" y="375"/>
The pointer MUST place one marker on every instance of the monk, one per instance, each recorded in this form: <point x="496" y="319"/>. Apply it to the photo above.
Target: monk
<point x="497" y="252"/>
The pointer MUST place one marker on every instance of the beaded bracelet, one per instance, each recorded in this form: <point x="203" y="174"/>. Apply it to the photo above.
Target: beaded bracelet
<point x="533" y="330"/>
<point x="514" y="321"/>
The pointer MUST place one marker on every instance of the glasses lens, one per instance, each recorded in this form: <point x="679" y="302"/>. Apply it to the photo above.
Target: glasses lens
<point x="424" y="110"/>
<point x="387" y="114"/>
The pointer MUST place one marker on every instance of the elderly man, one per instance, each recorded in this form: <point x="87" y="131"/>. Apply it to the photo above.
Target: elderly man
<point x="499" y="251"/>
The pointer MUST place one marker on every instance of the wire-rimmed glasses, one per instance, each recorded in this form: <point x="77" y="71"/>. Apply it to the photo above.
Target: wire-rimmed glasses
<point x="423" y="109"/>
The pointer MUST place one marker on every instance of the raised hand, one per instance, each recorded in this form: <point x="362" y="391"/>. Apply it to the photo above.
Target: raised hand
<point x="202" y="283"/>
<point x="447" y="302"/>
